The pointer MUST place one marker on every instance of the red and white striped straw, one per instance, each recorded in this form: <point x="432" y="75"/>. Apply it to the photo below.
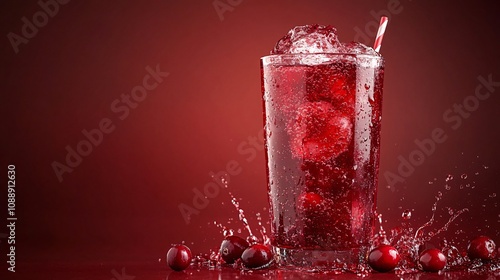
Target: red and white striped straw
<point x="380" y="33"/>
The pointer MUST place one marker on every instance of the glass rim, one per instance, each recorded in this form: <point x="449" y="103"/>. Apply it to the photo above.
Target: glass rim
<point x="313" y="54"/>
<point x="271" y="57"/>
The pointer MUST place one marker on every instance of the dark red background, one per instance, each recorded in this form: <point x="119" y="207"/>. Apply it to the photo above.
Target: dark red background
<point x="121" y="202"/>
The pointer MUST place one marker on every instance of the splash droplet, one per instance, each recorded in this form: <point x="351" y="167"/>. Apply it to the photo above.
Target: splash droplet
<point x="439" y="195"/>
<point x="406" y="214"/>
<point x="449" y="178"/>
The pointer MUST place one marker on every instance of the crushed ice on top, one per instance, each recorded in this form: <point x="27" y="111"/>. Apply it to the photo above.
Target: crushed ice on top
<point x="318" y="39"/>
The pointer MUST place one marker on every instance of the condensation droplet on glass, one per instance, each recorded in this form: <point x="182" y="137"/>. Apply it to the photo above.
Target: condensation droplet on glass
<point x="447" y="187"/>
<point x="463" y="176"/>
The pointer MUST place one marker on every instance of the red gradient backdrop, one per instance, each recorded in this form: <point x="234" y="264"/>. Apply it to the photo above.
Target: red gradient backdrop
<point x="121" y="202"/>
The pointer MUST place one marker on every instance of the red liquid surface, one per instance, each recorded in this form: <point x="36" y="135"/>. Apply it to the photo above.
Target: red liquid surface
<point x="322" y="147"/>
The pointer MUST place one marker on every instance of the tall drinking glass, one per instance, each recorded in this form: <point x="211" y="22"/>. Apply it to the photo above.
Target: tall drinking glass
<point x="322" y="121"/>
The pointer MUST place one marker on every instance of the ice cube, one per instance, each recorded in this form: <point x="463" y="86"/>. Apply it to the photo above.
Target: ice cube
<point x="334" y="83"/>
<point x="359" y="48"/>
<point x="319" y="132"/>
<point x="309" y="39"/>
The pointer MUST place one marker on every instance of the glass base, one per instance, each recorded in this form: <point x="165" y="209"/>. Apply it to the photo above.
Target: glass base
<point x="318" y="259"/>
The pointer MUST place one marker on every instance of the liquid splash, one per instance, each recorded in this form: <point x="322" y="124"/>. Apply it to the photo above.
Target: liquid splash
<point x="213" y="259"/>
<point x="410" y="241"/>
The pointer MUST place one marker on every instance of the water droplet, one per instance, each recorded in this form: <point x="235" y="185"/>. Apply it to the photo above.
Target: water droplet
<point x="493" y="195"/>
<point x="449" y="178"/>
<point x="406" y="214"/>
<point x="447" y="187"/>
<point x="464" y="176"/>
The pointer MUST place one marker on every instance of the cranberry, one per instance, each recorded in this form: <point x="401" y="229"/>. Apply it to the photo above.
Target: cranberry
<point x="232" y="247"/>
<point x="179" y="257"/>
<point x="256" y="256"/>
<point x="383" y="258"/>
<point x="481" y="247"/>
<point x="432" y="260"/>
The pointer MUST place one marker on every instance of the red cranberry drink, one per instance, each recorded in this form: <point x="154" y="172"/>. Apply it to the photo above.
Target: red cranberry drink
<point x="322" y="102"/>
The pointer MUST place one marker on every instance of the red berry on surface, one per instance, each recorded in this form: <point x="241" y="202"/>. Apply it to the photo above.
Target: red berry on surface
<point x="256" y="256"/>
<point x="232" y="247"/>
<point x="383" y="258"/>
<point x="179" y="257"/>
<point x="432" y="260"/>
<point x="481" y="247"/>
